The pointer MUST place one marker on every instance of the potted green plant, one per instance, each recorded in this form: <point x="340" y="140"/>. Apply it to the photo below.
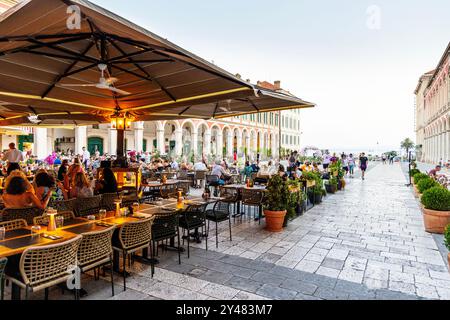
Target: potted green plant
<point x="276" y="203"/>
<point x="425" y="184"/>
<point x="447" y="243"/>
<point x="436" y="209"/>
<point x="419" y="176"/>
<point x="331" y="185"/>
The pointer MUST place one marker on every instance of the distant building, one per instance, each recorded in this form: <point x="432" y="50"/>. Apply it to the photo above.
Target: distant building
<point x="433" y="113"/>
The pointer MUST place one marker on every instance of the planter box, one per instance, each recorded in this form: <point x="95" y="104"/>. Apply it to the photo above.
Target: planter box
<point x="330" y="188"/>
<point x="435" y="221"/>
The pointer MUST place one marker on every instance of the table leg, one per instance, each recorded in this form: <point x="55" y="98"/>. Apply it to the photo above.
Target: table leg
<point x="171" y="246"/>
<point x="144" y="259"/>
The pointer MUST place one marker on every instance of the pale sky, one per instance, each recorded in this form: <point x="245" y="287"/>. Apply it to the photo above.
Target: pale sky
<point x="358" y="60"/>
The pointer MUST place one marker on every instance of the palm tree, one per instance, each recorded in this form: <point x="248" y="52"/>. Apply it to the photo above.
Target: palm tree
<point x="407" y="144"/>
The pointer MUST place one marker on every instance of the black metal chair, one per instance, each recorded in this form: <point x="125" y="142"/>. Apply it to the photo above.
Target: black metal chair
<point x="253" y="198"/>
<point x="165" y="227"/>
<point x="3" y="262"/>
<point x="88" y="206"/>
<point x="212" y="181"/>
<point x="169" y="191"/>
<point x="220" y="213"/>
<point x="193" y="218"/>
<point x="184" y="187"/>
<point x="231" y="196"/>
<point x="27" y="214"/>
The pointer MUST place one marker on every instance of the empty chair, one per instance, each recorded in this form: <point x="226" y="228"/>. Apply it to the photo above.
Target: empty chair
<point x="184" y="187"/>
<point x="231" y="196"/>
<point x="44" y="219"/>
<point x="95" y="251"/>
<point x="220" y="213"/>
<point x="43" y="267"/>
<point x="132" y="237"/>
<point x="88" y="206"/>
<point x="14" y="224"/>
<point x="165" y="227"/>
<point x="253" y="198"/>
<point x="193" y="218"/>
<point x="3" y="262"/>
<point x="27" y="214"/>
<point x="199" y="178"/>
<point x="64" y="205"/>
<point x="108" y="200"/>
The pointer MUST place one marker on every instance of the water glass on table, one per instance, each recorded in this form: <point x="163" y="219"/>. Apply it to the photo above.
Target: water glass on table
<point x="59" y="222"/>
<point x="102" y="214"/>
<point x="35" y="230"/>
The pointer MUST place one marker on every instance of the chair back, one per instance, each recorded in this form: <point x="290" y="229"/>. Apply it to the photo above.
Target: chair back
<point x="50" y="264"/>
<point x="182" y="175"/>
<point x="229" y="194"/>
<point x="108" y="199"/>
<point x="26" y="214"/>
<point x="222" y="208"/>
<point x="250" y="196"/>
<point x="185" y="187"/>
<point x="169" y="190"/>
<point x="95" y="246"/>
<point x="45" y="219"/>
<point x="194" y="214"/>
<point x="88" y="206"/>
<point x="14" y="224"/>
<point x="136" y="233"/>
<point x="212" y="178"/>
<point x="164" y="226"/>
<point x="200" y="175"/>
<point x="64" y="205"/>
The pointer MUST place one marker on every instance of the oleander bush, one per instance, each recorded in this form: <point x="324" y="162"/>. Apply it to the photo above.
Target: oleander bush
<point x="436" y="198"/>
<point x="419" y="176"/>
<point x="425" y="184"/>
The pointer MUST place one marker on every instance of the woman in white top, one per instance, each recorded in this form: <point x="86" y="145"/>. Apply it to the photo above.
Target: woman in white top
<point x="81" y="188"/>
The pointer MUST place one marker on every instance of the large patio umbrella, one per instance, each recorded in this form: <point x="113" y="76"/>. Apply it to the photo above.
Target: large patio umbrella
<point x="58" y="69"/>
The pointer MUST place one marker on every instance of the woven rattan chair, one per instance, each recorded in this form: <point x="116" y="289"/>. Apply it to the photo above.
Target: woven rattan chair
<point x="44" y="219"/>
<point x="220" y="213"/>
<point x="108" y="200"/>
<point x="14" y="224"/>
<point x="95" y="251"/>
<point x="165" y="227"/>
<point x="64" y="205"/>
<point x="193" y="218"/>
<point x="3" y="262"/>
<point x="253" y="198"/>
<point x="27" y="214"/>
<point x="43" y="267"/>
<point x="88" y="206"/>
<point x="199" y="176"/>
<point x="132" y="237"/>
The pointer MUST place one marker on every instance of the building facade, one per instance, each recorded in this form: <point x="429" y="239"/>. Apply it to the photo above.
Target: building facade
<point x="433" y="113"/>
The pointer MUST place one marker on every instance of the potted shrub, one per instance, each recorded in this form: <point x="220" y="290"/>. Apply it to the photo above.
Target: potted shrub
<point x="332" y="184"/>
<point x="275" y="203"/>
<point x="294" y="198"/>
<point x="425" y="184"/>
<point x="436" y="209"/>
<point x="413" y="172"/>
<point x="419" y="176"/>
<point x="447" y="243"/>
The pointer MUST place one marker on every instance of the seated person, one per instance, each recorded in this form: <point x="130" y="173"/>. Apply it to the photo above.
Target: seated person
<point x="45" y="183"/>
<point x="108" y="183"/>
<point x="81" y="188"/>
<point x="255" y="166"/>
<point x="219" y="170"/>
<point x="200" y="166"/>
<point x="248" y="170"/>
<point x="316" y="167"/>
<point x="296" y="173"/>
<point x="18" y="195"/>
<point x="434" y="172"/>
<point x="282" y="172"/>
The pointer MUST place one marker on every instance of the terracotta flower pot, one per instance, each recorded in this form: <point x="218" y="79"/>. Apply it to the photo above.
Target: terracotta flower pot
<point x="435" y="221"/>
<point x="274" y="220"/>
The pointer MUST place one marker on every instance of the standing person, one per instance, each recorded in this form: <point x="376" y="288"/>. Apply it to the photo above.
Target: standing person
<point x="363" y="161"/>
<point x="345" y="164"/>
<point x="391" y="159"/>
<point x="13" y="156"/>
<point x="326" y="160"/>
<point x="351" y="165"/>
<point x="86" y="156"/>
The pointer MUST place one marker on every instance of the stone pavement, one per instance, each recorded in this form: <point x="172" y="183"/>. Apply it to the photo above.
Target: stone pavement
<point x="365" y="243"/>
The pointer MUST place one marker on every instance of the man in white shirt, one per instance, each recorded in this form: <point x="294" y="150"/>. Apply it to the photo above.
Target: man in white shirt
<point x="13" y="156"/>
<point x="200" y="166"/>
<point x="86" y="157"/>
<point x="326" y="160"/>
<point x="174" y="165"/>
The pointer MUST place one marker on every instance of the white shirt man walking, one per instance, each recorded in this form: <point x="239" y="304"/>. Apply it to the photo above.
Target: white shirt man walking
<point x="13" y="156"/>
<point x="86" y="158"/>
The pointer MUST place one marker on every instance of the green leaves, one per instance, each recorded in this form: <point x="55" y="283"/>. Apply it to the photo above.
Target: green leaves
<point x="436" y="198"/>
<point x="277" y="194"/>
<point x="447" y="237"/>
<point x="425" y="184"/>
